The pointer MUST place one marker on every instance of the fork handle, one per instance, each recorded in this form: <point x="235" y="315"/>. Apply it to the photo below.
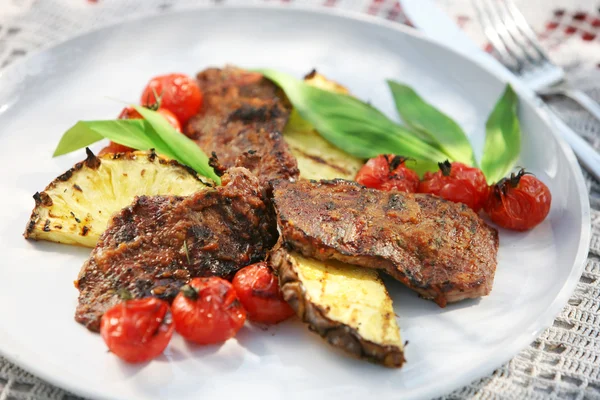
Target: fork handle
<point x="579" y="97"/>
<point x="587" y="156"/>
<point x="585" y="101"/>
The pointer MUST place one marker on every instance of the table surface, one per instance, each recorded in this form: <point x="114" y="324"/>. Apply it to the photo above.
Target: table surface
<point x="564" y="361"/>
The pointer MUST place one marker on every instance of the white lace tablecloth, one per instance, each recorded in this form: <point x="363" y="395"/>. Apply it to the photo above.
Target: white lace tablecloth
<point x="564" y="361"/>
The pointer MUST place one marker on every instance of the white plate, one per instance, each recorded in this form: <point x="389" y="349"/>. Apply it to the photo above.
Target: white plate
<point x="43" y="96"/>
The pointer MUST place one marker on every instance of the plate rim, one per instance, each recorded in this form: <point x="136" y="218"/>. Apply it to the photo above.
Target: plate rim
<point x="497" y="358"/>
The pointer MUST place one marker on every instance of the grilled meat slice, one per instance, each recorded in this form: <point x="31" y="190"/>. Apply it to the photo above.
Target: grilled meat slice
<point x="440" y="249"/>
<point x="157" y="244"/>
<point x="243" y="112"/>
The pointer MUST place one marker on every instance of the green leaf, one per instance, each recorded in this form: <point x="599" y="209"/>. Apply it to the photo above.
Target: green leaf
<point x="132" y="133"/>
<point x="153" y="132"/>
<point x="77" y="137"/>
<point x="185" y="150"/>
<point x="503" y="138"/>
<point x="421" y="166"/>
<point x="435" y="126"/>
<point x="348" y="123"/>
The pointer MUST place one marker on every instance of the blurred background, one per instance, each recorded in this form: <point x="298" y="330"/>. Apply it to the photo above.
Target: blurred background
<point x="568" y="29"/>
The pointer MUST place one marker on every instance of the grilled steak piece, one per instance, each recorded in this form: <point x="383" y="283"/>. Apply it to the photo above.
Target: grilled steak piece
<point x="243" y="112"/>
<point x="440" y="249"/>
<point x="157" y="244"/>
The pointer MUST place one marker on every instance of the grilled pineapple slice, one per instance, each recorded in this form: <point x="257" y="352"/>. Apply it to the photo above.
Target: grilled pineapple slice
<point x="318" y="80"/>
<point x="317" y="158"/>
<point x="75" y="208"/>
<point x="348" y="306"/>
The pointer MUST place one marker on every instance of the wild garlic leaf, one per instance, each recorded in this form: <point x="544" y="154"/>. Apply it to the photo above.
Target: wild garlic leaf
<point x="421" y="166"/>
<point x="153" y="132"/>
<point x="438" y="128"/>
<point x="350" y="124"/>
<point x="503" y="138"/>
<point x="184" y="149"/>
<point x="83" y="133"/>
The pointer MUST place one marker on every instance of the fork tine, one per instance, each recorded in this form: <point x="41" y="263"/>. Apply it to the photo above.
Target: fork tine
<point x="509" y="35"/>
<point x="518" y="39"/>
<point x="526" y="30"/>
<point x="490" y="31"/>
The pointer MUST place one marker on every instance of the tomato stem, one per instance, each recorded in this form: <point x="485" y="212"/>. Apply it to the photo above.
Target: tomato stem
<point x="189" y="292"/>
<point x="124" y="294"/>
<point x="445" y="167"/>
<point x="154" y="106"/>
<point x="187" y="252"/>
<point x="515" y="179"/>
<point x="396" y="161"/>
<point x="501" y="188"/>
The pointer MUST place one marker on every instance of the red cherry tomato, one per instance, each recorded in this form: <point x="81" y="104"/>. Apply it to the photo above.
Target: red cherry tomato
<point x="129" y="113"/>
<point x="207" y="310"/>
<point x="388" y="172"/>
<point x="258" y="290"/>
<point x="137" y="330"/>
<point x="171" y="118"/>
<point x="519" y="202"/>
<point x="177" y="93"/>
<point x="114" y="148"/>
<point x="457" y="182"/>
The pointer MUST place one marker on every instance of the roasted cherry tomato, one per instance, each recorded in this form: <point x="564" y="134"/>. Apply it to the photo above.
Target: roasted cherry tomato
<point x="518" y="202"/>
<point x="114" y="148"/>
<point x="457" y="182"/>
<point x="177" y="93"/>
<point x="388" y="172"/>
<point x="258" y="290"/>
<point x="131" y="113"/>
<point x="171" y="118"/>
<point x="207" y="310"/>
<point x="137" y="330"/>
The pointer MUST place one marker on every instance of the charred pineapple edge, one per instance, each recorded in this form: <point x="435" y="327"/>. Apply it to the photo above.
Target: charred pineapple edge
<point x="93" y="162"/>
<point x="335" y="333"/>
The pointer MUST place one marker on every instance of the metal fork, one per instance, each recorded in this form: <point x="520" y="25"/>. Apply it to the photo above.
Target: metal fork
<point x="520" y="51"/>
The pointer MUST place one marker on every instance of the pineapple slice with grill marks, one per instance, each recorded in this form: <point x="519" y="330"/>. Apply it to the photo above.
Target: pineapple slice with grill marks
<point x="76" y="207"/>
